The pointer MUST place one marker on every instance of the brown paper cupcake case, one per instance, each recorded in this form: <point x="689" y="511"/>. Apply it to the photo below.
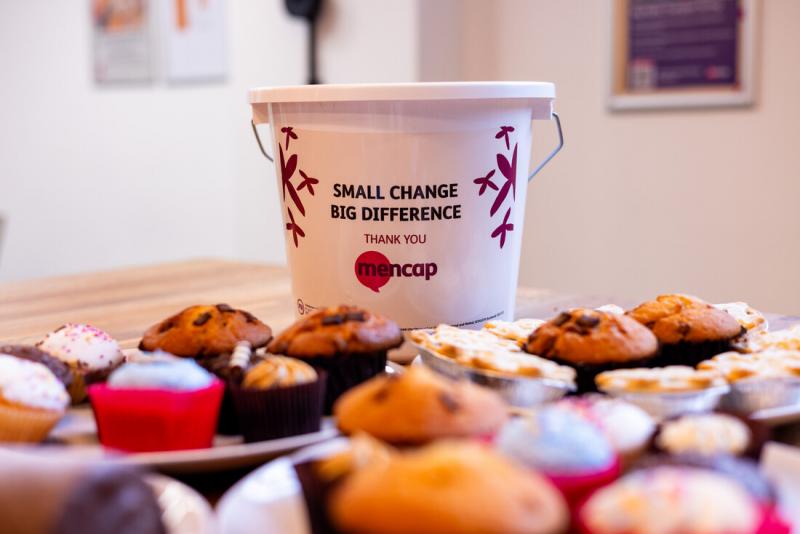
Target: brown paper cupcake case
<point x="279" y="412"/>
<point x="346" y="371"/>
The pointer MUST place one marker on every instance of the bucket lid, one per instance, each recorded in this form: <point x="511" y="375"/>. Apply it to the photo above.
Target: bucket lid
<point x="402" y="91"/>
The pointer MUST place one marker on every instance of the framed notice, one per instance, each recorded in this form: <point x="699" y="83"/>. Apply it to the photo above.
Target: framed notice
<point x="122" y="41"/>
<point x="194" y="37"/>
<point x="682" y="53"/>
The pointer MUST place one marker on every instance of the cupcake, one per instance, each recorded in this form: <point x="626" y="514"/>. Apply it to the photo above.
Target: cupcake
<point x="676" y="500"/>
<point x="321" y="468"/>
<point x="751" y="320"/>
<point x="279" y="397"/>
<point x="688" y="329"/>
<point x="205" y="331"/>
<point x="572" y="452"/>
<point x="628" y="428"/>
<point x="666" y="391"/>
<point x="220" y="338"/>
<point x="90" y="354"/>
<point x="759" y="380"/>
<point x="786" y="339"/>
<point x="32" y="400"/>
<point x="744" y="470"/>
<point x="614" y="309"/>
<point x="591" y="342"/>
<point x="419" y="406"/>
<point x="157" y="405"/>
<point x="462" y="344"/>
<point x="347" y="342"/>
<point x="495" y="362"/>
<point x="61" y="494"/>
<point x="452" y="487"/>
<point x="517" y="331"/>
<point x="32" y="354"/>
<point x="231" y="368"/>
<point x="706" y="434"/>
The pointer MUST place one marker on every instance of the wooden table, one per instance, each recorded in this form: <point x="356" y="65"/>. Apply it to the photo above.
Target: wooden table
<point x="125" y="302"/>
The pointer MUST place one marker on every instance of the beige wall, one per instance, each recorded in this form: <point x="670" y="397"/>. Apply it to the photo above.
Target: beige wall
<point x="101" y="177"/>
<point x="637" y="203"/>
<point x="704" y="202"/>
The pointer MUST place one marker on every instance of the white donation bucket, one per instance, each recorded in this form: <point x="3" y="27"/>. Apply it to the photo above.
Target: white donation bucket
<point x="406" y="199"/>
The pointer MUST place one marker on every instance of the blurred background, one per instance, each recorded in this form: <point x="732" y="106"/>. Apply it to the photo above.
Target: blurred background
<point x="96" y="173"/>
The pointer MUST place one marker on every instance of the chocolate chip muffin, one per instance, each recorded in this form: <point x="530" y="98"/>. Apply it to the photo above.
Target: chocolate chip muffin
<point x="347" y="342"/>
<point x="419" y="406"/>
<point x="592" y="341"/>
<point x="205" y="331"/>
<point x="448" y="487"/>
<point x="688" y="329"/>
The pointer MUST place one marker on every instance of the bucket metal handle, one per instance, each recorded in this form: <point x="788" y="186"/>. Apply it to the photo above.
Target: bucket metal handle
<point x="538" y="168"/>
<point x="263" y="151"/>
<point x="544" y="162"/>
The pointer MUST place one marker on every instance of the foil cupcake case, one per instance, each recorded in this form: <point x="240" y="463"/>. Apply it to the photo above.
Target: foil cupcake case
<point x="519" y="391"/>
<point x="753" y="395"/>
<point x="662" y="405"/>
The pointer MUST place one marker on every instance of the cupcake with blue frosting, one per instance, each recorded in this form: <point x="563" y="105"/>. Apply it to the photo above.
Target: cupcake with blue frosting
<point x="572" y="452"/>
<point x="157" y="403"/>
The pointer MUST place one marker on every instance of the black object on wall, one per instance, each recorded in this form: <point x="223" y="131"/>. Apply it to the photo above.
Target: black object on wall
<point x="308" y="9"/>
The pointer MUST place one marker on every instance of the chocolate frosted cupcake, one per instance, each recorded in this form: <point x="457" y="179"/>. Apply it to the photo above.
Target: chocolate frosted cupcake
<point x="30" y="353"/>
<point x="279" y="397"/>
<point x="592" y="341"/>
<point x="688" y="329"/>
<point x="60" y="494"/>
<point x="347" y="342"/>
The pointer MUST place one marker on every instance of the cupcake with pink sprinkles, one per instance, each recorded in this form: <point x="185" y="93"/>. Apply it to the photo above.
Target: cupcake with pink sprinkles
<point x="90" y="353"/>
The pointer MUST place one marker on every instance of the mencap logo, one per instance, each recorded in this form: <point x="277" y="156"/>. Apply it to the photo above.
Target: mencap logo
<point x="374" y="270"/>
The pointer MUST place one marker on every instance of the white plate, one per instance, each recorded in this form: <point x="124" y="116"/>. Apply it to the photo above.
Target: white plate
<point x="269" y="500"/>
<point x="183" y="510"/>
<point x="781" y="415"/>
<point x="77" y="434"/>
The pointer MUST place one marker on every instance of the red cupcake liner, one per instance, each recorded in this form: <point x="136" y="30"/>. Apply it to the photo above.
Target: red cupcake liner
<point x="577" y="488"/>
<point x="772" y="522"/>
<point x="147" y="420"/>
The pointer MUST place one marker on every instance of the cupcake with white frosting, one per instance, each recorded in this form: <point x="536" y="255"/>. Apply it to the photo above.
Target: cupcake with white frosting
<point x="32" y="400"/>
<point x="90" y="353"/>
<point x="157" y="404"/>
<point x="706" y="434"/>
<point x="628" y="427"/>
<point x="676" y="500"/>
<point x="569" y="450"/>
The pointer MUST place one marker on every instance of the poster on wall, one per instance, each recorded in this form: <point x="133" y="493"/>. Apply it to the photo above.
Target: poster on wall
<point x="682" y="53"/>
<point x="194" y="40"/>
<point x="122" y="44"/>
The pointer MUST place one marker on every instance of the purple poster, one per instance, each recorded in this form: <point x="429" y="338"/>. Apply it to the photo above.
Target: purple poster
<point x="682" y="43"/>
